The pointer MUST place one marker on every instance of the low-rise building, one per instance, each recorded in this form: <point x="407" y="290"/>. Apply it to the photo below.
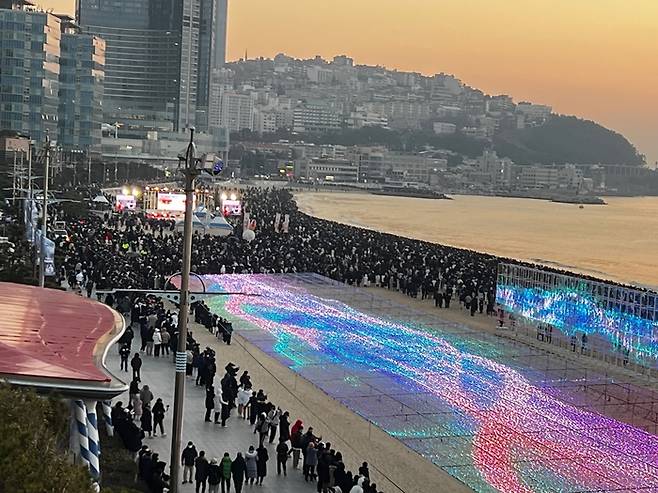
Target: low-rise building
<point x="375" y="164"/>
<point x="319" y="75"/>
<point x="570" y="177"/>
<point x="493" y="172"/>
<point x="315" y="118"/>
<point x="360" y="119"/>
<point x="538" y="178"/>
<point x="327" y="169"/>
<point x="443" y="128"/>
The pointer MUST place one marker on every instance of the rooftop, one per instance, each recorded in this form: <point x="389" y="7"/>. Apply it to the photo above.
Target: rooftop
<point x="54" y="339"/>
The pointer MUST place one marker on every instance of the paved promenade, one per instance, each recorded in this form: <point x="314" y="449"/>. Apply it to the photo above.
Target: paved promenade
<point x="237" y="436"/>
<point x="393" y="466"/>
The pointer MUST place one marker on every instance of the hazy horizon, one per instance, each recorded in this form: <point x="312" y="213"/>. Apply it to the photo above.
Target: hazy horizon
<point x="596" y="59"/>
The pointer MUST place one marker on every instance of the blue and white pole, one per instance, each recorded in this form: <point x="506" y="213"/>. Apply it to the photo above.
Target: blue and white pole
<point x="107" y="415"/>
<point x="80" y="413"/>
<point x="93" y="439"/>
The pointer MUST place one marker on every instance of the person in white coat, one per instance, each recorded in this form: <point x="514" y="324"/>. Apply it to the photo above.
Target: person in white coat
<point x="243" y="399"/>
<point x="357" y="488"/>
<point x="157" y="342"/>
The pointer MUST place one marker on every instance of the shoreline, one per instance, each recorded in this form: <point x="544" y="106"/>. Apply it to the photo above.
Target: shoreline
<point x="566" y="246"/>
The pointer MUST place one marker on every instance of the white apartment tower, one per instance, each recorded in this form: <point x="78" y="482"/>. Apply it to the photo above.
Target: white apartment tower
<point x="237" y="111"/>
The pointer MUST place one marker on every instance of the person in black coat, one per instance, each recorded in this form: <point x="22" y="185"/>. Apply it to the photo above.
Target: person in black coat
<point x="261" y="464"/>
<point x="364" y="471"/>
<point x="201" y="474"/>
<point x="124" y="354"/>
<point x="144" y="465"/>
<point x="187" y="459"/>
<point x="210" y="404"/>
<point x="238" y="470"/>
<point x="147" y="419"/>
<point x="282" y="455"/>
<point x="284" y="427"/>
<point x="253" y="408"/>
<point x="127" y="337"/>
<point x="130" y="434"/>
<point x="323" y="470"/>
<point x="159" y="411"/>
<point x="214" y="474"/>
<point x="136" y="364"/>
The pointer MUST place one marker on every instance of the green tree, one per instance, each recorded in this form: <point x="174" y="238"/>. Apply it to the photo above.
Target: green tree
<point x="567" y="139"/>
<point x="33" y="438"/>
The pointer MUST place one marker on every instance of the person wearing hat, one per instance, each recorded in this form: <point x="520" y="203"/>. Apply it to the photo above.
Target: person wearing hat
<point x="214" y="476"/>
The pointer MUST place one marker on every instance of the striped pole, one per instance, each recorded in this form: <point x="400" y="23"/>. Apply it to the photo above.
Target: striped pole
<point x="93" y="439"/>
<point x="80" y="412"/>
<point x="107" y="415"/>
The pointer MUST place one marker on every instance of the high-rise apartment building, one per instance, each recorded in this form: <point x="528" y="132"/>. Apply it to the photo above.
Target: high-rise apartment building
<point x="81" y="82"/>
<point x="212" y="55"/>
<point x="29" y="70"/>
<point x="237" y="111"/>
<point x="159" y="57"/>
<point x="51" y="77"/>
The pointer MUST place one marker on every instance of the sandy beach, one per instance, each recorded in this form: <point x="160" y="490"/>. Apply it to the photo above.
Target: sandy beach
<point x="618" y="241"/>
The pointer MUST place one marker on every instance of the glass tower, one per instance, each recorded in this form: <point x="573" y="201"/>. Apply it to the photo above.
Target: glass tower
<point x="82" y="73"/>
<point x="29" y="72"/>
<point x="158" y="58"/>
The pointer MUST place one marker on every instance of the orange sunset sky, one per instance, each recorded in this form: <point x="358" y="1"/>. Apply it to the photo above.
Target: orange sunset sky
<point x="597" y="59"/>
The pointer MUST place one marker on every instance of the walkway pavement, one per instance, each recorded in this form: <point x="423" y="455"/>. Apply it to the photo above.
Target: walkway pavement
<point x="158" y="374"/>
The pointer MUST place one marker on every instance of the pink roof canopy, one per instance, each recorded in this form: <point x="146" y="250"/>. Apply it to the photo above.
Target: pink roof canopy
<point x="45" y="333"/>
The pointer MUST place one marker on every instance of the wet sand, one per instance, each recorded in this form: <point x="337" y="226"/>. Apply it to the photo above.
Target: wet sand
<point x="618" y="241"/>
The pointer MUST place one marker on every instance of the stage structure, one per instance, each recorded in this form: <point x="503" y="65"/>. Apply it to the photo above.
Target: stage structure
<point x="495" y="413"/>
<point x="605" y="320"/>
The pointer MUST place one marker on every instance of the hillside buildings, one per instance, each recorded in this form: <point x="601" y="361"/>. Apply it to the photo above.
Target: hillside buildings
<point x="316" y="96"/>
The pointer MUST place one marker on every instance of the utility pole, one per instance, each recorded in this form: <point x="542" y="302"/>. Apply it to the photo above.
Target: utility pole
<point x="190" y="172"/>
<point x="20" y="174"/>
<point x="30" y="201"/>
<point x="29" y="175"/>
<point x="13" y="182"/>
<point x="44" y="219"/>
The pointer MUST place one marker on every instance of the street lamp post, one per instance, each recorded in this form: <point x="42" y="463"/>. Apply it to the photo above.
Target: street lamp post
<point x="44" y="219"/>
<point x="190" y="172"/>
<point x="29" y="176"/>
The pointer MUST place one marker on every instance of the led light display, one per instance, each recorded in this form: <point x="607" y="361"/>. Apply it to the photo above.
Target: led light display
<point x="481" y="421"/>
<point x="575" y="311"/>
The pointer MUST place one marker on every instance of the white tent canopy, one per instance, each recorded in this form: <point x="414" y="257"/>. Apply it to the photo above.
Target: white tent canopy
<point x="219" y="226"/>
<point x="100" y="199"/>
<point x="197" y="225"/>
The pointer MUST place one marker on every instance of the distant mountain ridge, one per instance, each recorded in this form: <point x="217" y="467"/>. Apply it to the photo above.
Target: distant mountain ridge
<point x="562" y="139"/>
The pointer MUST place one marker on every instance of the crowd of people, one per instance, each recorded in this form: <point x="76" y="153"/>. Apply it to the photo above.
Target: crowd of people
<point x="133" y="251"/>
<point x="143" y="416"/>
